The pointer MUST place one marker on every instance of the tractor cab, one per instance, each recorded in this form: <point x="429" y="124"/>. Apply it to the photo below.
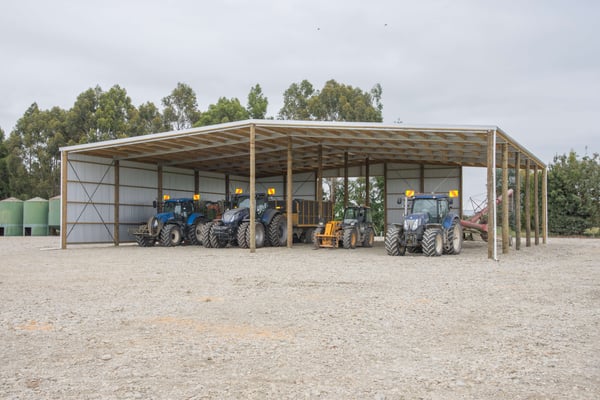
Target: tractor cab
<point x="357" y="216"/>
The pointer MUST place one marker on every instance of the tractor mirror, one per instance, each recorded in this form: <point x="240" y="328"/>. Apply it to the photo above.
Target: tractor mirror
<point x="155" y="204"/>
<point x="399" y="201"/>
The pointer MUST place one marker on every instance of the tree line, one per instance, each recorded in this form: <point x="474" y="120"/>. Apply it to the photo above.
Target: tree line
<point x="30" y="156"/>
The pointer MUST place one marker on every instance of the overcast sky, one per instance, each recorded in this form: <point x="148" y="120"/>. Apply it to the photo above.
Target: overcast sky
<point x="530" y="67"/>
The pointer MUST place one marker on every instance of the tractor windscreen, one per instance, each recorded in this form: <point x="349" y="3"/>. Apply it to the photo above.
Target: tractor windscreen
<point x="427" y="206"/>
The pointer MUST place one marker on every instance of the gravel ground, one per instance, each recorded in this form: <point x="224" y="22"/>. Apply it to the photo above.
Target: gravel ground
<point x="98" y="322"/>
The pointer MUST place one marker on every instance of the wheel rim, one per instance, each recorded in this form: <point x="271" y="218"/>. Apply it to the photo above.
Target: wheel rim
<point x="439" y="244"/>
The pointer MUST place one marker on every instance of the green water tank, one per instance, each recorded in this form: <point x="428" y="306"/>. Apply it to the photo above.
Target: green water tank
<point x="11" y="217"/>
<point x="54" y="215"/>
<point x="35" y="217"/>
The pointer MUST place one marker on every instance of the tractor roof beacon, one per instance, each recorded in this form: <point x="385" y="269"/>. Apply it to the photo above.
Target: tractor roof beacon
<point x="429" y="226"/>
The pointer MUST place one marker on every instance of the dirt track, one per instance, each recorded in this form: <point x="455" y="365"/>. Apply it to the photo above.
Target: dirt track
<point x="196" y="323"/>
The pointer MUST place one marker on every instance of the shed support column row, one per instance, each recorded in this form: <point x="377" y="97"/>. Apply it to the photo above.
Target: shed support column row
<point x="288" y="199"/>
<point x="116" y="167"/>
<point x="64" y="168"/>
<point x="252" y="188"/>
<point x="518" y="201"/>
<point x="491" y="170"/>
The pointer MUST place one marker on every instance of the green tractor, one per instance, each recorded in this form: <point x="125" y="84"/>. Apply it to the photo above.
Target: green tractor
<point x="429" y="226"/>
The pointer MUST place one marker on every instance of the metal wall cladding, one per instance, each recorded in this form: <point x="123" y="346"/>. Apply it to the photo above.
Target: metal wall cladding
<point x="35" y="217"/>
<point x="11" y="217"/>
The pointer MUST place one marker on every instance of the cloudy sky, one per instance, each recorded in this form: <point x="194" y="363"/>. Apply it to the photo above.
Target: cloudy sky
<point x="530" y="67"/>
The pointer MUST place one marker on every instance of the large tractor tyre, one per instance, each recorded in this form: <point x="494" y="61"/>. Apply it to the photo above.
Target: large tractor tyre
<point x="196" y="233"/>
<point x="277" y="231"/>
<point x="350" y="238"/>
<point x="316" y="242"/>
<point x="241" y="235"/>
<point x="171" y="235"/>
<point x="144" y="241"/>
<point x="393" y="241"/>
<point x="205" y="234"/>
<point x="259" y="235"/>
<point x="433" y="242"/>
<point x="215" y="241"/>
<point x="154" y="226"/>
<point x="455" y="238"/>
<point x="369" y="238"/>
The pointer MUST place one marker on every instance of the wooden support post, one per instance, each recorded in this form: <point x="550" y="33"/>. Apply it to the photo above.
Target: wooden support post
<point x="289" y="195"/>
<point x="527" y="203"/>
<point x="422" y="179"/>
<point x="159" y="183"/>
<point x="252" y="188"/>
<point x="536" y="204"/>
<point x="518" y="201"/>
<point x="345" y="179"/>
<point x="64" y="169"/>
<point x="367" y="186"/>
<point x="385" y="203"/>
<point x="320" y="181"/>
<point x="505" y="203"/>
<point x="116" y="166"/>
<point x="460" y="191"/>
<point x="196" y="181"/>
<point x="227" y="189"/>
<point x="491" y="170"/>
<point x="545" y="205"/>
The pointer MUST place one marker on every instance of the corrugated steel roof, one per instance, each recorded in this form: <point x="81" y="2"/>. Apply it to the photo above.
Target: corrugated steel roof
<point x="225" y="148"/>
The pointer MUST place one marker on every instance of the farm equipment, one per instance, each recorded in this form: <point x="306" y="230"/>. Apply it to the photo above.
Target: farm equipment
<point x="430" y="227"/>
<point x="478" y="222"/>
<point x="356" y="228"/>
<point x="234" y="226"/>
<point x="180" y="220"/>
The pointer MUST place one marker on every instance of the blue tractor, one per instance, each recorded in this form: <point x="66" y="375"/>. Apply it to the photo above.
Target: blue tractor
<point x="179" y="220"/>
<point x="234" y="226"/>
<point x="429" y="226"/>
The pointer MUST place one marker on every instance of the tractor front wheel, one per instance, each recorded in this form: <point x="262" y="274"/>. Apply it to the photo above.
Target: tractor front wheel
<point x="350" y="238"/>
<point x="277" y="231"/>
<point x="205" y="234"/>
<point x="241" y="235"/>
<point x="315" y="239"/>
<point x="393" y="241"/>
<point x="144" y="241"/>
<point x="455" y="238"/>
<point x="433" y="242"/>
<point x="259" y="235"/>
<point x="215" y="241"/>
<point x="196" y="233"/>
<point x="171" y="235"/>
<point x="369" y="238"/>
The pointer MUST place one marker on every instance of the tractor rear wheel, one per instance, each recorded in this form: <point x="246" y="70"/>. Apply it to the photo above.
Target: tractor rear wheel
<point x="350" y="238"/>
<point x="259" y="235"/>
<point x="205" y="234"/>
<point x="393" y="241"/>
<point x="277" y="231"/>
<point x="196" y="233"/>
<point x="241" y="235"/>
<point x="369" y="238"/>
<point x="433" y="242"/>
<point x="455" y="238"/>
<point x="171" y="235"/>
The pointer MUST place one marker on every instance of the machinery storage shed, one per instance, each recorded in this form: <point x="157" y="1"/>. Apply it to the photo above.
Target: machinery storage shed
<point x="109" y="186"/>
